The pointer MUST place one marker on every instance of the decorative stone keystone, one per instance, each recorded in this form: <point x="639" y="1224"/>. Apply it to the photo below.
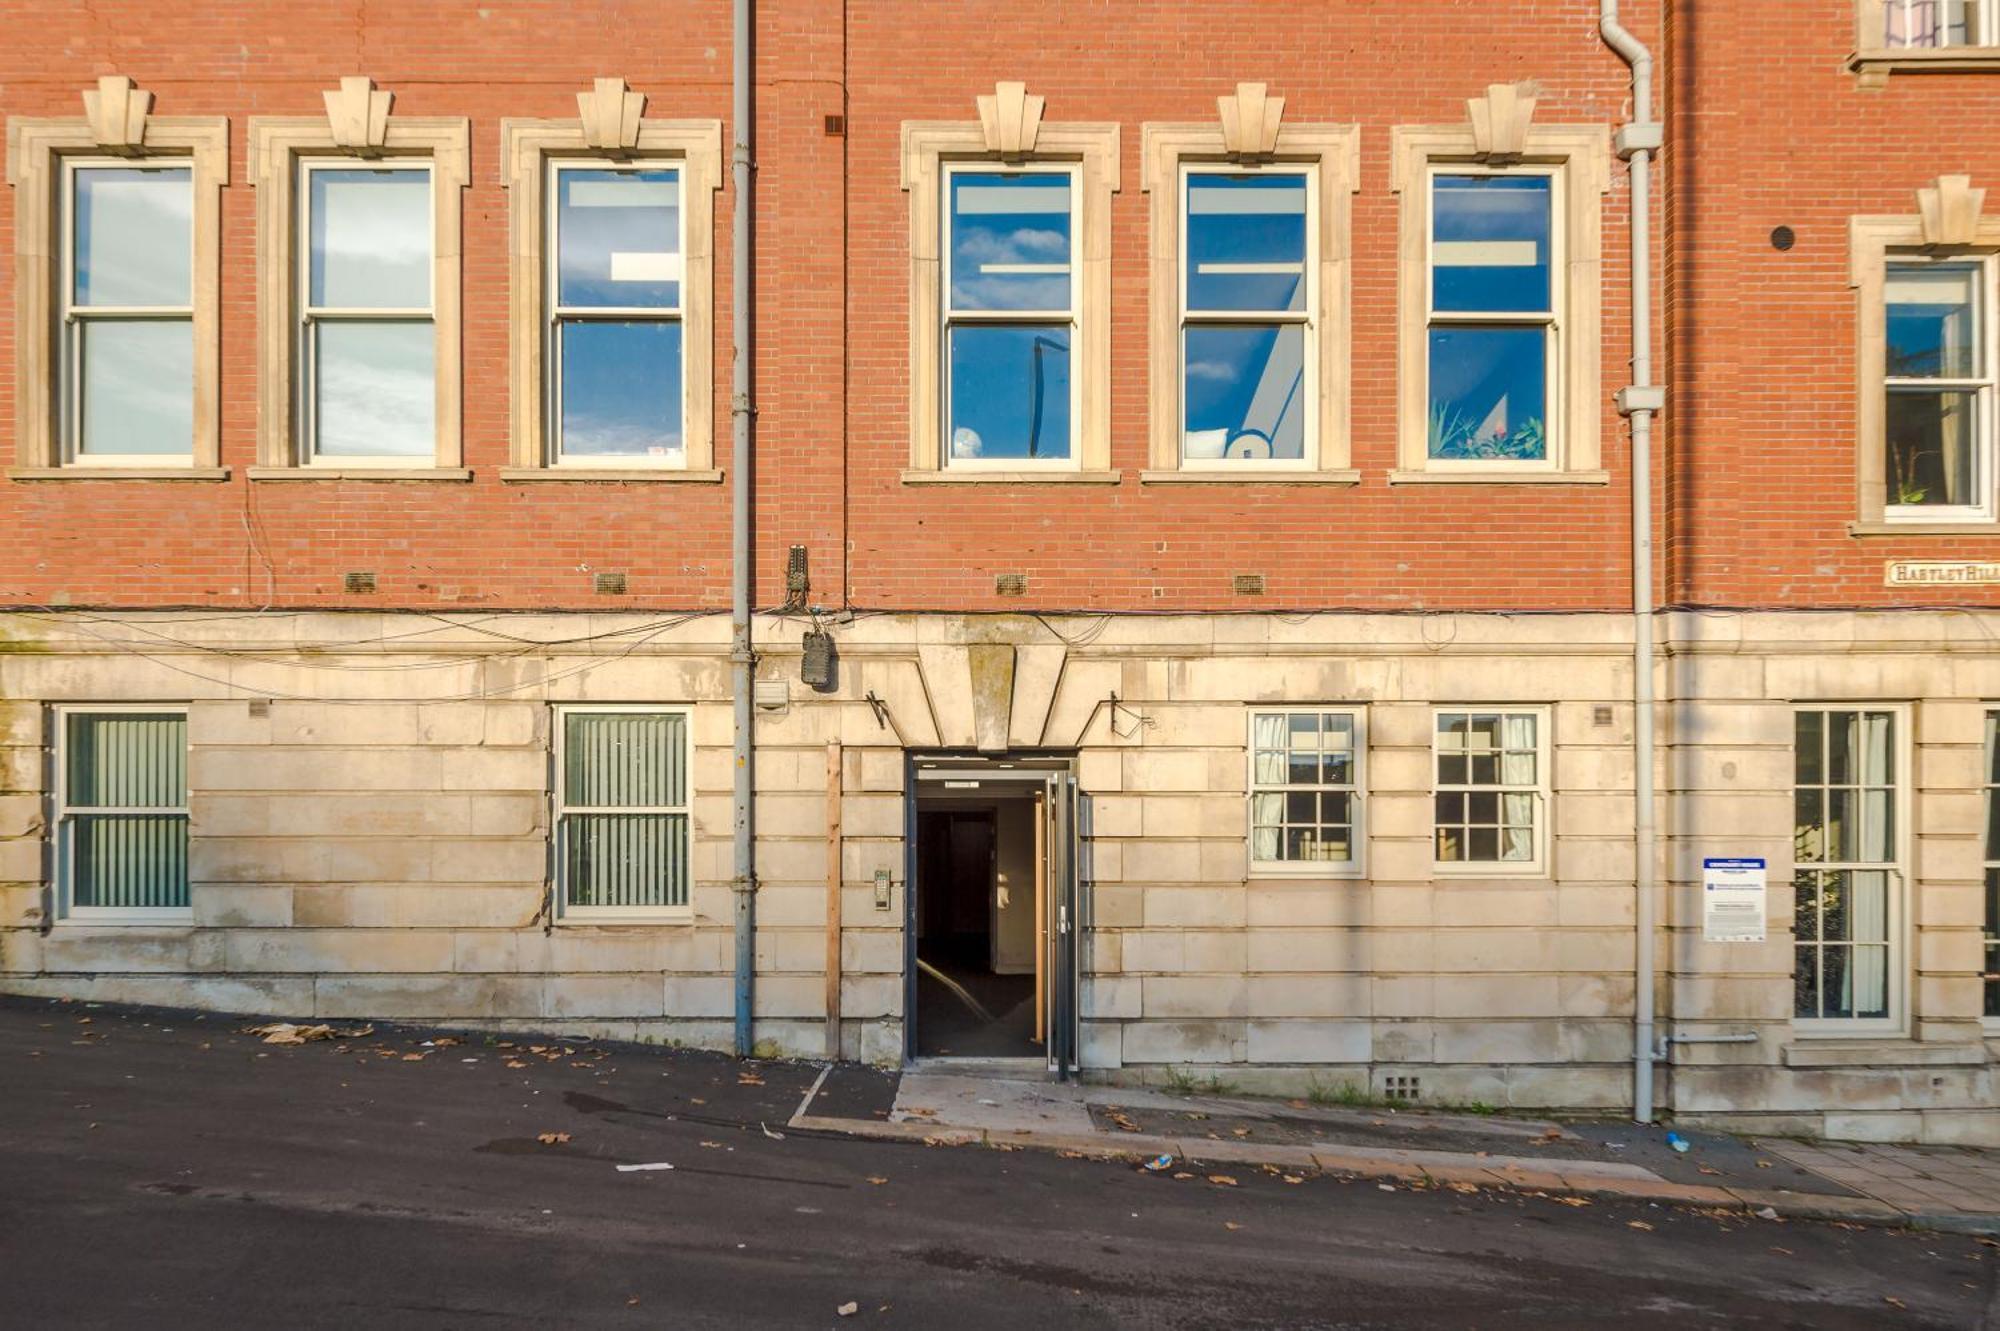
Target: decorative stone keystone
<point x="1500" y="121"/>
<point x="1011" y="119"/>
<point x="610" y="114"/>
<point x="1949" y="210"/>
<point x="358" y="114"/>
<point x="1250" y="120"/>
<point x="117" y="113"/>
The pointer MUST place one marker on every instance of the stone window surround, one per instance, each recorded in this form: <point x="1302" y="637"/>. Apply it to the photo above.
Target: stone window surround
<point x="1539" y="869"/>
<point x="1332" y="153"/>
<point x="1874" y="62"/>
<point x="1949" y="223"/>
<point x="358" y="125"/>
<point x="1010" y="133"/>
<point x="1902" y="896"/>
<point x="1357" y="866"/>
<point x="1498" y="134"/>
<point x="526" y="148"/>
<point x="117" y="124"/>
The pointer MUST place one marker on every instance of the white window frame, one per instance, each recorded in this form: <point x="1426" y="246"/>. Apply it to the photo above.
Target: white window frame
<point x="560" y="909"/>
<point x="1553" y="321"/>
<point x="948" y="317"/>
<point x="556" y="314"/>
<point x="1898" y="924"/>
<point x="1357" y="790"/>
<point x="1985" y="305"/>
<point x="1307" y="318"/>
<point x="1544" y="800"/>
<point x="1980" y="13"/>
<point x="73" y="317"/>
<point x="1990" y="927"/>
<point x="63" y="813"/>
<point x="307" y="407"/>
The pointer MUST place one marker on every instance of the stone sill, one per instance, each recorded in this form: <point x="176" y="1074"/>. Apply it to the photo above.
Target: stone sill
<point x="1485" y="477"/>
<point x="636" y="920"/>
<point x="118" y="474"/>
<point x="1881" y="1054"/>
<point x="605" y="475"/>
<point x="1875" y="65"/>
<point x="1923" y="529"/>
<point x="912" y="477"/>
<point x="1272" y="476"/>
<point x="360" y="473"/>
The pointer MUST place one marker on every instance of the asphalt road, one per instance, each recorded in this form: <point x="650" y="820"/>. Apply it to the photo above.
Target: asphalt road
<point x="161" y="1170"/>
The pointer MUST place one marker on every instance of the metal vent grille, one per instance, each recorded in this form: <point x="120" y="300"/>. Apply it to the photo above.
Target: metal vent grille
<point x="608" y="584"/>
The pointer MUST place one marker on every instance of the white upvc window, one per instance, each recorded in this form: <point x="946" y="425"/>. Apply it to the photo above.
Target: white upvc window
<point x="622" y="813"/>
<point x="1990" y="956"/>
<point x="1306" y="791"/>
<point x="367" y="336"/>
<point x="1937" y="24"/>
<point x="121" y="814"/>
<point x="616" y="301"/>
<point x="1848" y="869"/>
<point x="1494" y="342"/>
<point x="1491" y="793"/>
<point x="1249" y="327"/>
<point x="1939" y="373"/>
<point x="1012" y="291"/>
<point x="126" y="396"/>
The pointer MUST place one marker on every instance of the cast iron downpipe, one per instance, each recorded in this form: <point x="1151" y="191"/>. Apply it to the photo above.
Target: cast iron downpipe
<point x="742" y="662"/>
<point x="1637" y="141"/>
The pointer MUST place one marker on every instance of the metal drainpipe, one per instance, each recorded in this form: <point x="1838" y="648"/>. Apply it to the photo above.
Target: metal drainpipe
<point x="742" y="661"/>
<point x="1637" y="141"/>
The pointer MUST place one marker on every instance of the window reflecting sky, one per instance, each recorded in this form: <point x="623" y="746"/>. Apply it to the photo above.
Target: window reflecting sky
<point x="377" y="388"/>
<point x="370" y="239"/>
<point x="1246" y="242"/>
<point x="133" y="237"/>
<point x="138" y="387"/>
<point x="621" y="389"/>
<point x="1010" y="241"/>
<point x="1488" y="392"/>
<point x="1931" y="321"/>
<point x="1010" y="391"/>
<point x="618" y="239"/>
<point x="1245" y="391"/>
<point x="1490" y="243"/>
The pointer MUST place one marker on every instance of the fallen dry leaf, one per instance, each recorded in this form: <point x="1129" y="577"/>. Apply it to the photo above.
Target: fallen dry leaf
<point x="1231" y="1224"/>
<point x="1183" y="1175"/>
<point x="1638" y="1224"/>
<point x="1570" y="1201"/>
<point x="552" y="1138"/>
<point x="848" y="1309"/>
<point x="1069" y="1155"/>
<point x="1894" y="1302"/>
<point x="1222" y="1180"/>
<point x="516" y="1063"/>
<point x="877" y="1180"/>
<point x="1239" y="1132"/>
<point x="1782" y="1252"/>
<point x="1765" y="1164"/>
<point x="414" y="1058"/>
<point x="1293" y="1178"/>
<point x="1706" y="1170"/>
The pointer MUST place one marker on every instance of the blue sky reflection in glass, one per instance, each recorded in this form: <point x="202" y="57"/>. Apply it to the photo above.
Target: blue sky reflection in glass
<point x="1492" y="287"/>
<point x="1244" y="370"/>
<point x="1010" y="315"/>
<point x="618" y="253"/>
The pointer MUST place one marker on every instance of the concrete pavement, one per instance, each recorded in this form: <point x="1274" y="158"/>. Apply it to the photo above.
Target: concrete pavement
<point x="1941" y="1188"/>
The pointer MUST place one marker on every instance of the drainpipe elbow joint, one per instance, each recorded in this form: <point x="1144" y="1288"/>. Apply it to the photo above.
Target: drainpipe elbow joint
<point x="1636" y="138"/>
<point x="1637" y="398"/>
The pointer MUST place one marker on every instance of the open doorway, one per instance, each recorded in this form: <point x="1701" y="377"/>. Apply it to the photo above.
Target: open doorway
<point x="985" y="920"/>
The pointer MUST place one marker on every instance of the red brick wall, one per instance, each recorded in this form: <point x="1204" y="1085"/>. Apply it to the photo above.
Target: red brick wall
<point x="833" y="354"/>
<point x="1766" y="130"/>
